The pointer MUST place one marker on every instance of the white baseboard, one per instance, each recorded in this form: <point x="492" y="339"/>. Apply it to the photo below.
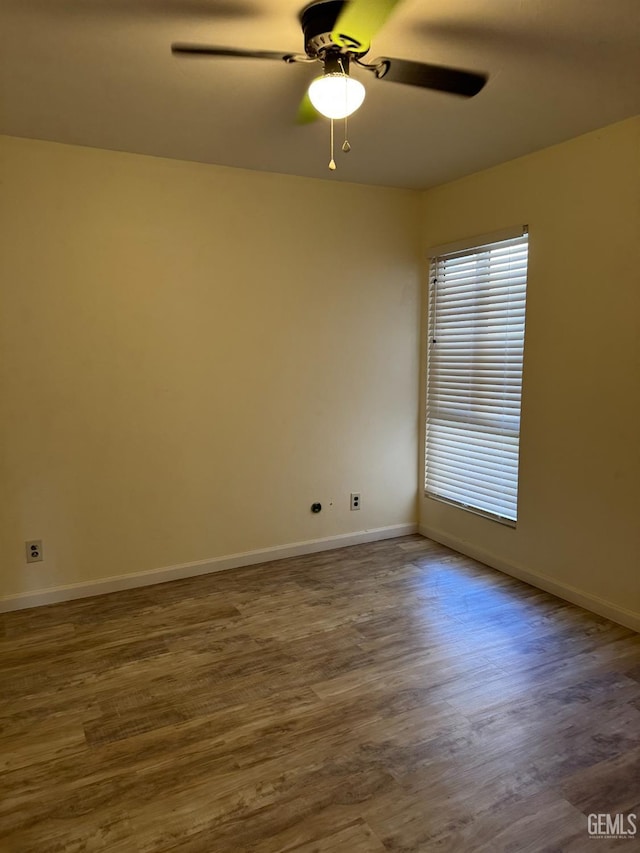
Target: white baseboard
<point x="23" y="600"/>
<point x="601" y="606"/>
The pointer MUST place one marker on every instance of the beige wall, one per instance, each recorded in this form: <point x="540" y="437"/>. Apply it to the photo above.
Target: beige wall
<point x="183" y="372"/>
<point x="192" y="355"/>
<point x="579" y="510"/>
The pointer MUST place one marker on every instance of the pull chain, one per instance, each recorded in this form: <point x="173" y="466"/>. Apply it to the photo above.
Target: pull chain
<point x="332" y="162"/>
<point x="345" y="145"/>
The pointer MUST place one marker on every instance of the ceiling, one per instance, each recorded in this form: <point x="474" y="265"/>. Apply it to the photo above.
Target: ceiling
<point x="100" y="73"/>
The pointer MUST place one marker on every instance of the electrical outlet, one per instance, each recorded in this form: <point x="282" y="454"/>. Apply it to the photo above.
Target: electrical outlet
<point x="355" y="501"/>
<point x="34" y="552"/>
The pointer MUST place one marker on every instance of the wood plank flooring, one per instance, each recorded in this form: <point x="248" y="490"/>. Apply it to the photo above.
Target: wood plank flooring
<point x="385" y="697"/>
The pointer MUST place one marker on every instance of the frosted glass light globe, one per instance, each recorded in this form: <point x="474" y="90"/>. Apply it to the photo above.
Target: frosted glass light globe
<point x="336" y="95"/>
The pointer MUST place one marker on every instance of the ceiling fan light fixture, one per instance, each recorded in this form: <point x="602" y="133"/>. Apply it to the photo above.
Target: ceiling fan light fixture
<point x="336" y="95"/>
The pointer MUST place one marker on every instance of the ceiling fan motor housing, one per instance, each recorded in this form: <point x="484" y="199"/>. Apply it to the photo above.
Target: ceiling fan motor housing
<point x="318" y="21"/>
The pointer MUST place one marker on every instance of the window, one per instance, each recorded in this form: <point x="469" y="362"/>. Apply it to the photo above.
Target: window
<point x="474" y="373"/>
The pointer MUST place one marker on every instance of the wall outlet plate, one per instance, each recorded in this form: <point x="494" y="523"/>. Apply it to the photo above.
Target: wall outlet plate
<point x="33" y="550"/>
<point x="355" y="501"/>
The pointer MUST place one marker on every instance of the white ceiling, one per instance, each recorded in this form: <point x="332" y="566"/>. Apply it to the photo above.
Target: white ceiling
<point x="100" y="73"/>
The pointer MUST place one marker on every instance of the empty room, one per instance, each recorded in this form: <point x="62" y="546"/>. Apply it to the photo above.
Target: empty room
<point x="320" y="405"/>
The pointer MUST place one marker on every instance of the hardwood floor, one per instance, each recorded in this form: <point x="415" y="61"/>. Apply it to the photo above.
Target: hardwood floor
<point x="386" y="697"/>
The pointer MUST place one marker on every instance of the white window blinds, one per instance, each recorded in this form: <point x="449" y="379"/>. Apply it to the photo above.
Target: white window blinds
<point x="474" y="375"/>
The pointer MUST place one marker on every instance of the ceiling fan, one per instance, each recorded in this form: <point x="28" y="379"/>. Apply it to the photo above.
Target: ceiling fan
<point x="336" y="34"/>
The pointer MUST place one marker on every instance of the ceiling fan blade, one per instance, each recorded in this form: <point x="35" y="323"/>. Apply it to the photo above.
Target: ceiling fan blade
<point x="210" y="50"/>
<point x="359" y="21"/>
<point x="456" y="81"/>
<point x="307" y="113"/>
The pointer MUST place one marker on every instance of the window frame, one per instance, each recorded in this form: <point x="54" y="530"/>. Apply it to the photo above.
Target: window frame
<point x="480" y="246"/>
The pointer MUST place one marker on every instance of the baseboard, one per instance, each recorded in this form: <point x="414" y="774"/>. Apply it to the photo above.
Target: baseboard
<point x="23" y="600"/>
<point x="601" y="606"/>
